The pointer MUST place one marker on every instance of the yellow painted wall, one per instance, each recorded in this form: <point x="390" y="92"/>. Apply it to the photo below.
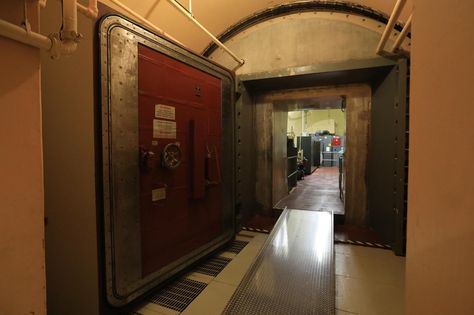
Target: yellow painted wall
<point x="22" y="276"/>
<point x="440" y="249"/>
<point x="317" y="118"/>
<point x="333" y="120"/>
<point x="294" y="122"/>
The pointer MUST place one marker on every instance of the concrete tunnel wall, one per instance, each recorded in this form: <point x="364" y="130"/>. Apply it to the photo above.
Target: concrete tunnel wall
<point x="303" y="39"/>
<point x="68" y="110"/>
<point x="22" y="278"/>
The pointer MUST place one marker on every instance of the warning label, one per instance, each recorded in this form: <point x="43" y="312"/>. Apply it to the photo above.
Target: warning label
<point x="164" y="129"/>
<point x="165" y="112"/>
<point x="158" y="194"/>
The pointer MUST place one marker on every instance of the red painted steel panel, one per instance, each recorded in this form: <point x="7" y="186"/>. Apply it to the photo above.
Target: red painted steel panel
<point x="180" y="208"/>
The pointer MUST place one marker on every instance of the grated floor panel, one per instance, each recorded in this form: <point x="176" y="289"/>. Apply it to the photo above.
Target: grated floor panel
<point x="179" y="294"/>
<point x="236" y="246"/>
<point x="213" y="266"/>
<point x="294" y="272"/>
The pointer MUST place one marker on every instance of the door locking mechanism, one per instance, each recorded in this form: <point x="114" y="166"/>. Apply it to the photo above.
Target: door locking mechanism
<point x="171" y="156"/>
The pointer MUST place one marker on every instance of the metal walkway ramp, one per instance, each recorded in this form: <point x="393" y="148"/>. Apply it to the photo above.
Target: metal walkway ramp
<point x="294" y="272"/>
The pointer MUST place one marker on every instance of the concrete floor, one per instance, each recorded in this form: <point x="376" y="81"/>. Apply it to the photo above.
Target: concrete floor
<point x="318" y="191"/>
<point x="369" y="281"/>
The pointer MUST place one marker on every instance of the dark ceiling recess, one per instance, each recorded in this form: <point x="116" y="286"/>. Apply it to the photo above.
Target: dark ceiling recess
<point x="298" y="7"/>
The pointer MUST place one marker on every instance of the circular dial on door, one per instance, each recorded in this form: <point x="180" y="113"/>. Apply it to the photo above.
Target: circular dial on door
<point x="171" y="156"/>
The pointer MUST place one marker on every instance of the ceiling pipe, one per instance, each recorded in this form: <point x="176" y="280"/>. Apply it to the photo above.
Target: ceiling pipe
<point x="403" y="34"/>
<point x="144" y="20"/>
<point x="389" y="27"/>
<point x="186" y="13"/>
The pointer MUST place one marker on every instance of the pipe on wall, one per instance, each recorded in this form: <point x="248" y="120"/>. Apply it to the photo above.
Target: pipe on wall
<point x="90" y="11"/>
<point x="69" y="29"/>
<point x="391" y="23"/>
<point x="64" y="43"/>
<point x="21" y="35"/>
<point x="187" y="14"/>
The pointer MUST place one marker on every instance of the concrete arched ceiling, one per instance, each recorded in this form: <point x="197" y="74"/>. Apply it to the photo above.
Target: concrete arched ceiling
<point x="219" y="15"/>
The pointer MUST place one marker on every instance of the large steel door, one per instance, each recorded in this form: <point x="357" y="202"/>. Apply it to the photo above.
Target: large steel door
<point x="388" y="158"/>
<point x="179" y="139"/>
<point x="167" y="158"/>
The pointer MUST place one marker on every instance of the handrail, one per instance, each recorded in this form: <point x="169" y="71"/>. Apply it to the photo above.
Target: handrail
<point x="186" y="13"/>
<point x="403" y="34"/>
<point x="389" y="27"/>
<point x="144" y="20"/>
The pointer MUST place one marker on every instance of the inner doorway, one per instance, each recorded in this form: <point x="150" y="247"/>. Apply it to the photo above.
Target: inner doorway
<point x="375" y="181"/>
<point x="316" y="140"/>
<point x="314" y="131"/>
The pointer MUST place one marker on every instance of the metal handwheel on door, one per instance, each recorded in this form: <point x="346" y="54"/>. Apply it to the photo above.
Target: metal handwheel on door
<point x="171" y="156"/>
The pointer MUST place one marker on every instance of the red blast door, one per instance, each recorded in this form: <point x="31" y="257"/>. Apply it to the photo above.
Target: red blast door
<point x="179" y="135"/>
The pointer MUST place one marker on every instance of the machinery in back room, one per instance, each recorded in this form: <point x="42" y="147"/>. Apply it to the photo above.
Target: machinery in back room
<point x="320" y="150"/>
<point x="292" y="167"/>
<point x="331" y="147"/>
<point x="305" y="143"/>
<point x="167" y="128"/>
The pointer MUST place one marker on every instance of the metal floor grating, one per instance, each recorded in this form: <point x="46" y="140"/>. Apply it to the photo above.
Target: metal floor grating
<point x="213" y="266"/>
<point x="179" y="295"/>
<point x="236" y="246"/>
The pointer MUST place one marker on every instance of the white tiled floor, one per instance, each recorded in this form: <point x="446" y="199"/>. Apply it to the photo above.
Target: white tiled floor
<point x="369" y="281"/>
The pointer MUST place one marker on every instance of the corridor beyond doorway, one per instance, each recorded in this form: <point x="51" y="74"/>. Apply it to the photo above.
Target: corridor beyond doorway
<point x="318" y="191"/>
